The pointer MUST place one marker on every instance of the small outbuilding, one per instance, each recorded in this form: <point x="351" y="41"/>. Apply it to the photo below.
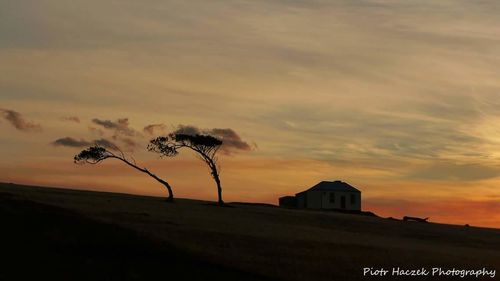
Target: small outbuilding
<point x="336" y="195"/>
<point x="288" y="202"/>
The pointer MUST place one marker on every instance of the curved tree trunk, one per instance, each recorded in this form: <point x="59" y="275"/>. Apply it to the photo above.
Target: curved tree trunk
<point x="169" y="188"/>
<point x="219" y="190"/>
<point x="209" y="160"/>
<point x="144" y="170"/>
<point x="215" y="175"/>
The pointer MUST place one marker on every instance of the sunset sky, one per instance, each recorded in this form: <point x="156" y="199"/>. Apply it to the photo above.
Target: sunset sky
<point x="398" y="98"/>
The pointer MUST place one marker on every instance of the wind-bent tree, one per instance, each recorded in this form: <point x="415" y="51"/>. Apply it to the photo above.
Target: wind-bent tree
<point x="205" y="146"/>
<point x="96" y="154"/>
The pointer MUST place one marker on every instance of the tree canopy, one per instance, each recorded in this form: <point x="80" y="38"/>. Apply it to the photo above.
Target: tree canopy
<point x="206" y="147"/>
<point x="96" y="154"/>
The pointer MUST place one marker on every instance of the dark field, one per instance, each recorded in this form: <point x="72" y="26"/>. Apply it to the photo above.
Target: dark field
<point x="56" y="234"/>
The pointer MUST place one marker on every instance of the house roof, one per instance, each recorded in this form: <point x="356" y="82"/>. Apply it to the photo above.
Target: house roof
<point x="332" y="186"/>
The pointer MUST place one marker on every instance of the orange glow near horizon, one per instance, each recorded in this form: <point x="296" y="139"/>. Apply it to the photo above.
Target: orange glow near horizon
<point x="241" y="184"/>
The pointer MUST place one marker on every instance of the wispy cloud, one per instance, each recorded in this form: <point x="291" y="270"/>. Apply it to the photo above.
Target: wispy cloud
<point x="19" y="122"/>
<point x="231" y="141"/>
<point x="424" y="131"/>
<point x="154" y="129"/>
<point x="75" y="119"/>
<point x="71" y="142"/>
<point x="81" y="143"/>
<point x="130" y="143"/>
<point x="120" y="126"/>
<point x="450" y="171"/>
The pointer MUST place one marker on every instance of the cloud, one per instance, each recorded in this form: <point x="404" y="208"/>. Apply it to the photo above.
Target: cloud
<point x="231" y="141"/>
<point x="130" y="143"/>
<point x="447" y="171"/>
<point x="188" y="130"/>
<point x="71" y="119"/>
<point x="106" y="144"/>
<point x="122" y="131"/>
<point x="120" y="126"/>
<point x="445" y="127"/>
<point x="72" y="142"/>
<point x="152" y="128"/>
<point x="17" y="120"/>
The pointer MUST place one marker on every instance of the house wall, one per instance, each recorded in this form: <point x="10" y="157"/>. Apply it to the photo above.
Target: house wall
<point x="321" y="200"/>
<point x="301" y="200"/>
<point x="314" y="200"/>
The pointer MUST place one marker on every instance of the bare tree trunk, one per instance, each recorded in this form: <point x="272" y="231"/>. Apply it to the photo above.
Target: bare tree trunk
<point x="169" y="188"/>
<point x="219" y="191"/>
<point x="215" y="175"/>
<point x="144" y="170"/>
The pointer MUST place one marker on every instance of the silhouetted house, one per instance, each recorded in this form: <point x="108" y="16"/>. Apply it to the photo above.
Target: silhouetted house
<point x="327" y="195"/>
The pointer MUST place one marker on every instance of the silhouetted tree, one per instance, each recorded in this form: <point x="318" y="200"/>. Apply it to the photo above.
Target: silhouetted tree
<point x="96" y="154"/>
<point x="205" y="146"/>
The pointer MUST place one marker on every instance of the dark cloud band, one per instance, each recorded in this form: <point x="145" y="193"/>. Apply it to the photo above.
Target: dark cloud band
<point x="121" y="126"/>
<point x="231" y="140"/>
<point x="72" y="142"/>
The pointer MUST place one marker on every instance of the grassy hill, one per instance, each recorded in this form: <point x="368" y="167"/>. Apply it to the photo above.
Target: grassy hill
<point x="82" y="235"/>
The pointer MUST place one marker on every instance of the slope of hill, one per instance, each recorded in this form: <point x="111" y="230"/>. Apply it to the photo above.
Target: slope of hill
<point x="109" y="236"/>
